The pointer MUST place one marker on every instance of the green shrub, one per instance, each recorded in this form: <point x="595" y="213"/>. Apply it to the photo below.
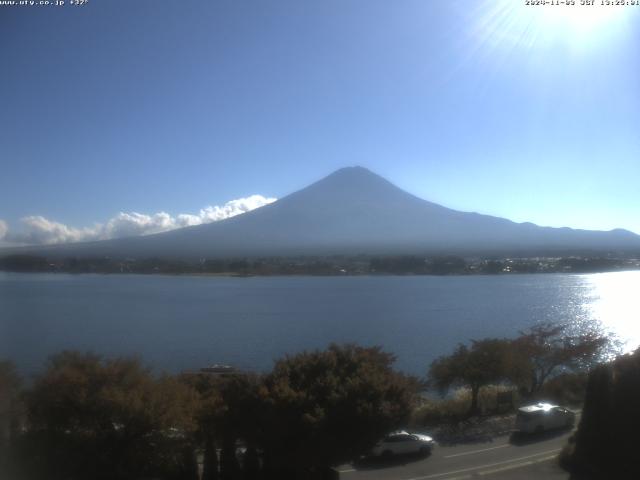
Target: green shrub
<point x="567" y="389"/>
<point x="455" y="407"/>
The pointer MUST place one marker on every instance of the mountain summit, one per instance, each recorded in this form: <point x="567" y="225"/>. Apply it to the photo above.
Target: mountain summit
<point x="353" y="210"/>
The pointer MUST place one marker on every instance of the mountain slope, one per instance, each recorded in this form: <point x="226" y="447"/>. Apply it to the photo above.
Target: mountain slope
<point x="355" y="211"/>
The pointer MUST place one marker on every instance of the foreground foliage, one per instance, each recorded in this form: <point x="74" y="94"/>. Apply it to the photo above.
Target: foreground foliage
<point x="90" y="417"/>
<point x="606" y="442"/>
<point x="328" y="407"/>
<point x="545" y="349"/>
<point x="543" y="353"/>
<point x="10" y="410"/>
<point x="483" y="363"/>
<point x="105" y="419"/>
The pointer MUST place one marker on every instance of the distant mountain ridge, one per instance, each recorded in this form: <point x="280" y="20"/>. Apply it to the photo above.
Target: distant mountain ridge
<point x="352" y="211"/>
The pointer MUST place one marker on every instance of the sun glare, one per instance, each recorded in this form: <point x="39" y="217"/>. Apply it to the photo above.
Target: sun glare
<point x="578" y="19"/>
<point x="515" y="23"/>
<point x="615" y="303"/>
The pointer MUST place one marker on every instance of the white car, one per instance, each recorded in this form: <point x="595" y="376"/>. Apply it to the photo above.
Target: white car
<point x="400" y="443"/>
<point x="542" y="417"/>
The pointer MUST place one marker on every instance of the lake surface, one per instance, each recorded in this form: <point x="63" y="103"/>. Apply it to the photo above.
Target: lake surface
<point x="181" y="322"/>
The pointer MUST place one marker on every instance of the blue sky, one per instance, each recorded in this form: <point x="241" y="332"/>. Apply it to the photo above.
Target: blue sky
<point x="142" y="106"/>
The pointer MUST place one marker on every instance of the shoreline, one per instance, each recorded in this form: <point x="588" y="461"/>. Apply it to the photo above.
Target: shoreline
<point x="335" y="275"/>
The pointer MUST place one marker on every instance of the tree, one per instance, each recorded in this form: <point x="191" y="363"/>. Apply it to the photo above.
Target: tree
<point x="209" y="410"/>
<point x="241" y="420"/>
<point x="545" y="349"/>
<point x="328" y="407"/>
<point x="24" y="263"/>
<point x="484" y="362"/>
<point x="210" y="460"/>
<point x="95" y="418"/>
<point x="10" y="407"/>
<point x="229" y="410"/>
<point x="606" y="443"/>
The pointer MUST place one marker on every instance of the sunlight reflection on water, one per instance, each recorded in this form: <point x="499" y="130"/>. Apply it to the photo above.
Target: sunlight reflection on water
<point x="614" y="300"/>
<point x="181" y="322"/>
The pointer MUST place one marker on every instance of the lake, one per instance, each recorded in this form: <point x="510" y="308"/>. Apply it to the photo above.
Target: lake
<point x="185" y="322"/>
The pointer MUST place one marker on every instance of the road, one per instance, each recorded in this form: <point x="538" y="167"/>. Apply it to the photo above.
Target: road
<point x="526" y="458"/>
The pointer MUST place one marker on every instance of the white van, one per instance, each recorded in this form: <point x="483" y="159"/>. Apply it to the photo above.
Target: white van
<point x="542" y="417"/>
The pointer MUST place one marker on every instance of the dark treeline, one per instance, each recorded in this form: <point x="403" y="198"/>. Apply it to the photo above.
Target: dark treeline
<point x="606" y="443"/>
<point x="327" y="265"/>
<point x="86" y="417"/>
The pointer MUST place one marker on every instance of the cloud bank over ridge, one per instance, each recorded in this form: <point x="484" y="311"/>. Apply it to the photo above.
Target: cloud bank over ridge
<point x="38" y="230"/>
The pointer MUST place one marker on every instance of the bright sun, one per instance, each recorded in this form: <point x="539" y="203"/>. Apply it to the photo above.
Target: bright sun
<point x="581" y="19"/>
<point x="580" y="25"/>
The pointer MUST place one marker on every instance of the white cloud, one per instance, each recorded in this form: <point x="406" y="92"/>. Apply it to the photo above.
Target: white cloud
<point x="39" y="230"/>
<point x="233" y="208"/>
<point x="42" y="231"/>
<point x="3" y="231"/>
